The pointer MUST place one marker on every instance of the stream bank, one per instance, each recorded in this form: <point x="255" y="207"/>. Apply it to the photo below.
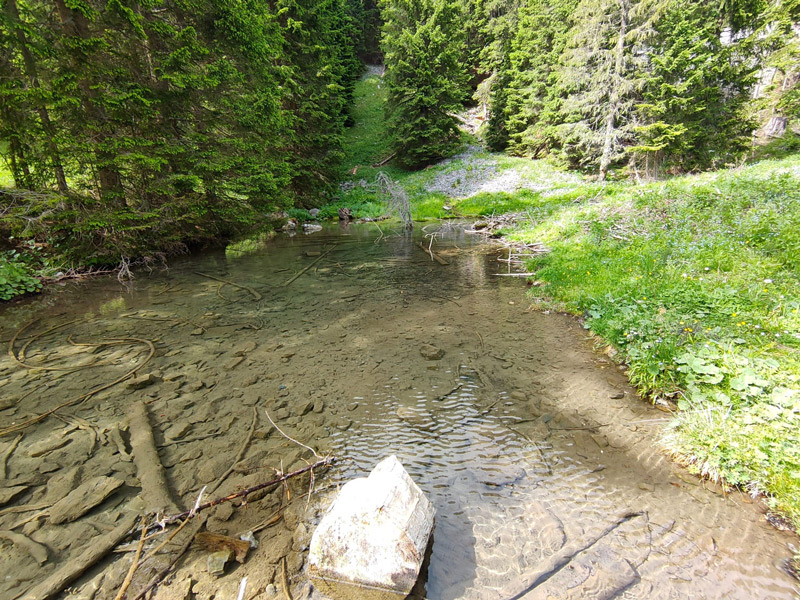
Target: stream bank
<point x="529" y="444"/>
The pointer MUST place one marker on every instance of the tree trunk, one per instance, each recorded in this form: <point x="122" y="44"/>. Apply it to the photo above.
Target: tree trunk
<point x="33" y="78"/>
<point x="614" y="100"/>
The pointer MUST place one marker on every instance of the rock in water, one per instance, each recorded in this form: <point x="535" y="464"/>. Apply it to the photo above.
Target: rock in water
<point x="83" y="499"/>
<point x="371" y="543"/>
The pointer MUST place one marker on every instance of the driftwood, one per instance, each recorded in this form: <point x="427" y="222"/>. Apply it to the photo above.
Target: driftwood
<point x="319" y="258"/>
<point x="560" y="559"/>
<point x="7" y="454"/>
<point x="86" y="559"/>
<point x="433" y="255"/>
<point x="155" y="492"/>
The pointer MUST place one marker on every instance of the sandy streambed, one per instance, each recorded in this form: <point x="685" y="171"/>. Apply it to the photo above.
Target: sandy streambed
<point x="532" y="447"/>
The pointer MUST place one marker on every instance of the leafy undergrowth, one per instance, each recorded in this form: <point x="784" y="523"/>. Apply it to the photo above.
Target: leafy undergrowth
<point x="17" y="275"/>
<point x="696" y="282"/>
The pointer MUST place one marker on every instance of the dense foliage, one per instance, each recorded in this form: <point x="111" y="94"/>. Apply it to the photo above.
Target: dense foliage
<point x="651" y="86"/>
<point x="423" y="48"/>
<point x="133" y="127"/>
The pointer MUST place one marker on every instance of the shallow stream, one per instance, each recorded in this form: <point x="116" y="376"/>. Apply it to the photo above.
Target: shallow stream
<point x="529" y="443"/>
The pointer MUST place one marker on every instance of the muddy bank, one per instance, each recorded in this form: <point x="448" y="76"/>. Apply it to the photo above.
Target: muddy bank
<point x="533" y="448"/>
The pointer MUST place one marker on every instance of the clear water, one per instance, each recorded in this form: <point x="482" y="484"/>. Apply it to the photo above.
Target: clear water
<point x="514" y="433"/>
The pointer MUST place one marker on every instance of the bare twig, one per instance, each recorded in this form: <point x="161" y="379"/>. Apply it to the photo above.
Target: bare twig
<point x="291" y="439"/>
<point x="129" y="577"/>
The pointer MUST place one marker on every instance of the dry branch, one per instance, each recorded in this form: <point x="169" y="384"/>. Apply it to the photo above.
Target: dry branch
<point x="432" y="254"/>
<point x="560" y="559"/>
<point x="254" y="293"/>
<point x="319" y="258"/>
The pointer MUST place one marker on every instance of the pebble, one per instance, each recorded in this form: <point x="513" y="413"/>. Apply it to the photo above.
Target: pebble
<point x="431" y="352"/>
<point x="306" y="408"/>
<point x="233" y="363"/>
<point x="197" y="331"/>
<point x="319" y="406"/>
<point x="178" y="430"/>
<point x="352" y="406"/>
<point x="343" y="423"/>
<point x="217" y="561"/>
<point x="137" y="383"/>
<point x="617" y="395"/>
<point x="646" y="487"/>
<point x="518" y="395"/>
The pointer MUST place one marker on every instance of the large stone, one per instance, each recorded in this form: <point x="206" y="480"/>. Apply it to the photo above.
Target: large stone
<point x="371" y="543"/>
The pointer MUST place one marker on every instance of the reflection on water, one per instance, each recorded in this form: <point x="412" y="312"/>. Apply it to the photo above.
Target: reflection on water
<point x="510" y="424"/>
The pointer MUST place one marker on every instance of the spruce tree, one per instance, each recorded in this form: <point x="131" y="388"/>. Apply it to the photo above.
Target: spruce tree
<point x="695" y="88"/>
<point x="426" y="78"/>
<point x="532" y="100"/>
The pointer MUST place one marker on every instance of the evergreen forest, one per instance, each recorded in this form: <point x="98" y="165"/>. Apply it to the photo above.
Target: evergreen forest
<point x="660" y="139"/>
<point x="129" y="129"/>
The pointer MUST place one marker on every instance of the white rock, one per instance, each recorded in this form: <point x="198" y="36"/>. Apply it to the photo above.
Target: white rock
<point x="372" y="541"/>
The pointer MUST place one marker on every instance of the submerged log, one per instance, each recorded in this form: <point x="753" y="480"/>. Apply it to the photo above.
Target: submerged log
<point x="371" y="543"/>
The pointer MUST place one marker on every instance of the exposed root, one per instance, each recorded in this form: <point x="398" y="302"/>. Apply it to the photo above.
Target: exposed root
<point x="251" y="291"/>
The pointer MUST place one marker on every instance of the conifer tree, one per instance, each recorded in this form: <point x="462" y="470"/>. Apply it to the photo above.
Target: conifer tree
<point x="532" y="101"/>
<point x="423" y="48"/>
<point x="694" y="92"/>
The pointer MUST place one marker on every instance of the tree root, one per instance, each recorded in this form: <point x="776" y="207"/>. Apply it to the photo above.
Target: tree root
<point x="41" y="417"/>
<point x="254" y="293"/>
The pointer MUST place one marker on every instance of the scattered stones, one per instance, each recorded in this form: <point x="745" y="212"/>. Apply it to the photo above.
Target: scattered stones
<point x="618" y="395"/>
<point x="431" y="352"/>
<point x="143" y="381"/>
<point x="196" y="331"/>
<point x="319" y="406"/>
<point x="343" y="423"/>
<point x="312" y="253"/>
<point x="83" y="499"/>
<point x="306" y="408"/>
<point x="352" y="406"/>
<point x="646" y="487"/>
<point x="518" y="395"/>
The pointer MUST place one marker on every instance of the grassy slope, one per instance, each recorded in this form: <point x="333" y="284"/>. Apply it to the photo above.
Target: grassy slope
<point x="695" y="282"/>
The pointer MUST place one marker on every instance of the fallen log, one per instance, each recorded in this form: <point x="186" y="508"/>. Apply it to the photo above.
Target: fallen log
<point x="149" y="469"/>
